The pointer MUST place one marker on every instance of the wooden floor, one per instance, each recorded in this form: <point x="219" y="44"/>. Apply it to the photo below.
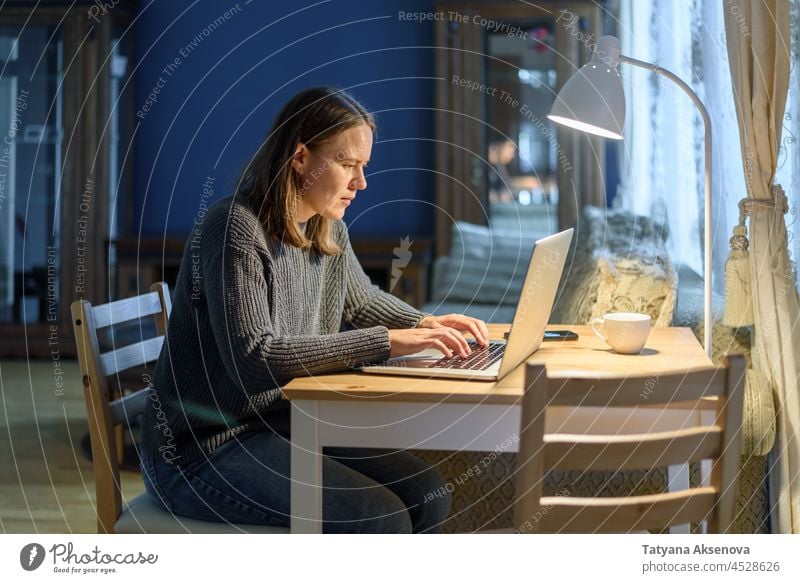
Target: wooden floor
<point x="46" y="484"/>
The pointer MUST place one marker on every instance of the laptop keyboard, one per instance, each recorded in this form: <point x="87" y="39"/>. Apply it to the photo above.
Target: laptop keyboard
<point x="481" y="358"/>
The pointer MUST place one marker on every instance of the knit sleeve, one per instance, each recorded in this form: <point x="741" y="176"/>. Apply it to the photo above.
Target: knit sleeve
<point x="237" y="292"/>
<point x="366" y="304"/>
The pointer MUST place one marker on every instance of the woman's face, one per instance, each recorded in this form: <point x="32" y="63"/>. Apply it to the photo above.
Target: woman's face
<point x="332" y="174"/>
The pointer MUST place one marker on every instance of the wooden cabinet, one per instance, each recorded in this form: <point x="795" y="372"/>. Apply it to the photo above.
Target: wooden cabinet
<point x="398" y="266"/>
<point x="64" y="178"/>
<point x="142" y="262"/>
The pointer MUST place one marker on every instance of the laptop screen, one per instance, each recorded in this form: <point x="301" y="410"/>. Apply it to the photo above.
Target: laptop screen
<point x="536" y="300"/>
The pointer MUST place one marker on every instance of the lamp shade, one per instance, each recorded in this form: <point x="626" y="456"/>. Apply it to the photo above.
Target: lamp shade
<point x="592" y="100"/>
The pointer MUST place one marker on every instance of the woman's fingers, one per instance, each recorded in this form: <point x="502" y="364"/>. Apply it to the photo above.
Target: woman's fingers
<point x="485" y="329"/>
<point x="441" y="347"/>
<point x="462" y="342"/>
<point x="455" y="341"/>
<point x="474" y="326"/>
<point x="476" y="331"/>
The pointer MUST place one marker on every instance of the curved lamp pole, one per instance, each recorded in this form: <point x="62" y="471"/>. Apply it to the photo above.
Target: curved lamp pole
<point x="593" y="101"/>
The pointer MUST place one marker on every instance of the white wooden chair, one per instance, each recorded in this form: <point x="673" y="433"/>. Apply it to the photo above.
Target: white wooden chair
<point x="110" y="414"/>
<point x="720" y="443"/>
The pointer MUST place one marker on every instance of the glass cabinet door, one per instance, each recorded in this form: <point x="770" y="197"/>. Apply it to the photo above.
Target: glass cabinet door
<point x="30" y="163"/>
<point x="522" y="175"/>
<point x="66" y="117"/>
<point x="120" y="133"/>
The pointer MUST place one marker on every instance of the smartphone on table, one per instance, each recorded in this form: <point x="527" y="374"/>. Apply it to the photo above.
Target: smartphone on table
<point x="551" y="335"/>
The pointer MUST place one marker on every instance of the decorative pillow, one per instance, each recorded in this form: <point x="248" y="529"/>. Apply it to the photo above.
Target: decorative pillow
<point x="618" y="264"/>
<point x="481" y="242"/>
<point x="618" y="230"/>
<point x="485" y="266"/>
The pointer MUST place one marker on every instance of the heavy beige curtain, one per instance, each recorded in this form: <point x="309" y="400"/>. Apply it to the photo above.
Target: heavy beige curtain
<point x="758" y="41"/>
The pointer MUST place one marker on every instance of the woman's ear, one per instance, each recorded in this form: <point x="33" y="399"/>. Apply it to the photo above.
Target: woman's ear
<point x="300" y="158"/>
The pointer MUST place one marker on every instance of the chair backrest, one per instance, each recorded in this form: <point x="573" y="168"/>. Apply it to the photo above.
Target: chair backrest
<point x="109" y="412"/>
<point x="721" y="389"/>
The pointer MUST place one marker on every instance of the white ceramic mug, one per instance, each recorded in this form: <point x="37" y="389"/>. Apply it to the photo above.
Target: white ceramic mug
<point x="625" y="332"/>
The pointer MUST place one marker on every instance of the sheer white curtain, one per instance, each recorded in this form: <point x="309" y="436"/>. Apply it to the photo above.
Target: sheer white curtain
<point x="662" y="163"/>
<point x="759" y="49"/>
<point x="788" y="172"/>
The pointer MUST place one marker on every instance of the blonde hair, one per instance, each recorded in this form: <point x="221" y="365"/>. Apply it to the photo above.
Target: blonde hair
<point x="314" y="116"/>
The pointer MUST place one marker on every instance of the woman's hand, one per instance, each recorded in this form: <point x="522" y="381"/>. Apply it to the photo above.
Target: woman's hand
<point x="460" y="322"/>
<point x="410" y="340"/>
<point x="443" y="333"/>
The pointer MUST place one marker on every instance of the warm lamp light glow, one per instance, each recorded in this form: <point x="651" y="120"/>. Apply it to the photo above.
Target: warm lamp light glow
<point x="585" y="127"/>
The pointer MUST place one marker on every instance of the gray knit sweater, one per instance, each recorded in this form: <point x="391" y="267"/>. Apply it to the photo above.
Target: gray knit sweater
<point x="249" y="314"/>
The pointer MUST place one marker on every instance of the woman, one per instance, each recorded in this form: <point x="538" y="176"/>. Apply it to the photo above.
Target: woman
<point x="269" y="289"/>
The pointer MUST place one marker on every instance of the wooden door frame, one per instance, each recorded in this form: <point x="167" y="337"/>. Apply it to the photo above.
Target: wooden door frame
<point x="461" y="52"/>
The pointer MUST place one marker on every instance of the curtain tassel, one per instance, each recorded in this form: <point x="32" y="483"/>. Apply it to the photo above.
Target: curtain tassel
<point x="738" y="293"/>
<point x="758" y="434"/>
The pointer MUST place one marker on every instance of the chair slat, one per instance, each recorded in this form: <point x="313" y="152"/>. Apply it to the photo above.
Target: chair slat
<point x="131" y="355"/>
<point x="577" y="389"/>
<point x="595" y="515"/>
<point x="125" y="310"/>
<point x="627" y="452"/>
<point x="128" y="407"/>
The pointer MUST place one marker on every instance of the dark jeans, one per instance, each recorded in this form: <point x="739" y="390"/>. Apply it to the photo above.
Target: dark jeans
<point x="247" y="481"/>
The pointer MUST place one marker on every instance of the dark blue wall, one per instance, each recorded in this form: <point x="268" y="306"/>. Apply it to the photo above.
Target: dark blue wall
<point x="217" y="104"/>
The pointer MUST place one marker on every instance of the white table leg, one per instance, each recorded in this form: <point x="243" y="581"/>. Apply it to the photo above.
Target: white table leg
<point x="306" y="469"/>
<point x="678" y="479"/>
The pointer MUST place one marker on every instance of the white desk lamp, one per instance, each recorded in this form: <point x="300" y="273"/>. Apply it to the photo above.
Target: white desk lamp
<point x="592" y="101"/>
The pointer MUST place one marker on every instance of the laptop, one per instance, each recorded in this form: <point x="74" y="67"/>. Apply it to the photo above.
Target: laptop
<point x="495" y="361"/>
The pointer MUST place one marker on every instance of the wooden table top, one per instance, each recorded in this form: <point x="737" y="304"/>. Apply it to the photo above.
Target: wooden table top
<point x="667" y="350"/>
